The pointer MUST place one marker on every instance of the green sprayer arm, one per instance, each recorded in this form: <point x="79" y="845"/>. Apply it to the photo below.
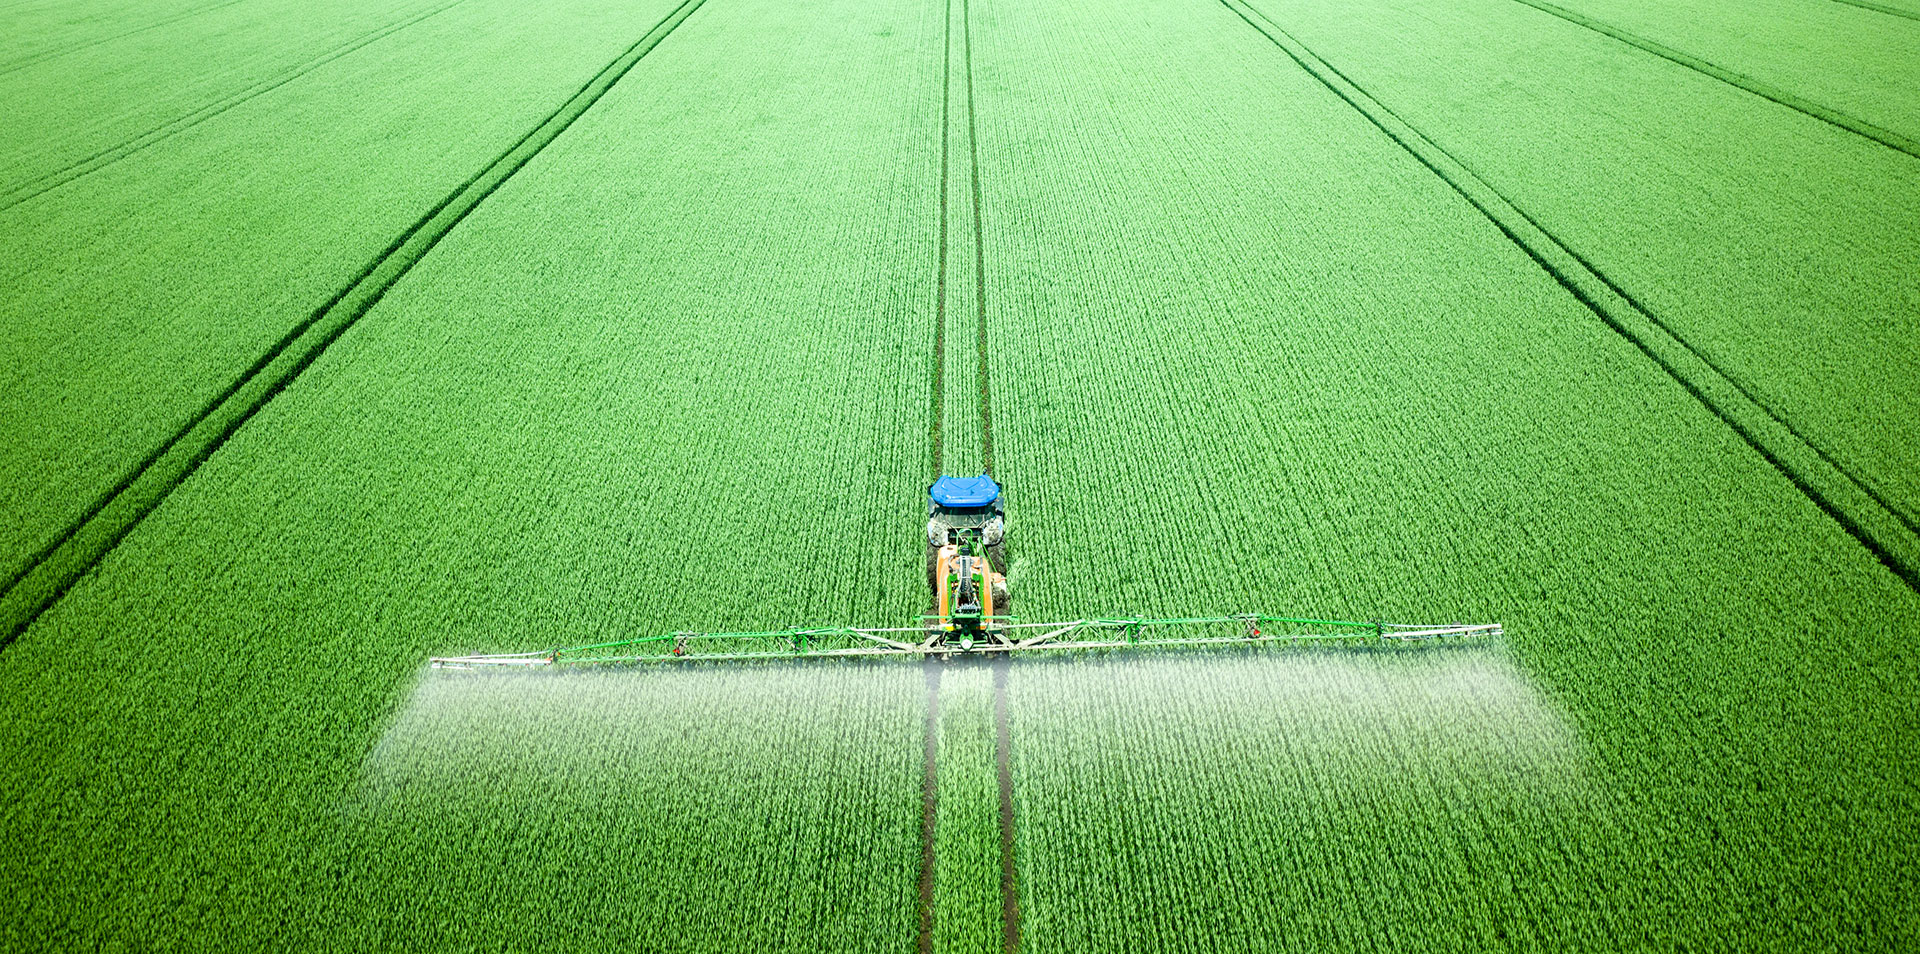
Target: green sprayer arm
<point x="1010" y="636"/>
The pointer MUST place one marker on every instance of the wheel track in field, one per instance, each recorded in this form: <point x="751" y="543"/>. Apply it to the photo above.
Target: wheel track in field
<point x="1003" y="764"/>
<point x="86" y="542"/>
<point x="1766" y="91"/>
<point x="1009" y="896"/>
<point x="979" y="248"/>
<point x="40" y="185"/>
<point x="940" y="279"/>
<point x="1882" y="529"/>
<point x="929" y="788"/>
<point x="941" y="297"/>
<point x="47" y="54"/>
<point x="929" y="801"/>
<point x="1881" y="8"/>
<point x="1003" y="739"/>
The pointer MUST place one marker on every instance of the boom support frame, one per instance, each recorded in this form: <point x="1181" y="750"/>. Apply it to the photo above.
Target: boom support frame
<point x="1006" y="635"/>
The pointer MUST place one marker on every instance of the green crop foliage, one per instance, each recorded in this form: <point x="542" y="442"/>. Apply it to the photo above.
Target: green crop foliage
<point x="1332" y="799"/>
<point x="41" y="30"/>
<point x="76" y="107"/>
<point x="701" y="810"/>
<point x="1356" y="397"/>
<point x="134" y="296"/>
<point x="1858" y="61"/>
<point x="1254" y="340"/>
<point x="967" y="915"/>
<point x="1779" y="246"/>
<point x="699" y="404"/>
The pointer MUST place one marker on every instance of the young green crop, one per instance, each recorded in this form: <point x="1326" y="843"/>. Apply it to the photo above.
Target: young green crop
<point x="967" y="915"/>
<point x="41" y="31"/>
<point x="1779" y="246"/>
<point x="1307" y="798"/>
<point x="672" y="375"/>
<point x="132" y="298"/>
<point x="1250" y="354"/>
<point x="74" y="111"/>
<point x="682" y="809"/>
<point x="1246" y="353"/>
<point x="1842" y="57"/>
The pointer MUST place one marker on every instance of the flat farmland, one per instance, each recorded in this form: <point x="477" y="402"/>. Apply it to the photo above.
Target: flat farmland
<point x="340" y="336"/>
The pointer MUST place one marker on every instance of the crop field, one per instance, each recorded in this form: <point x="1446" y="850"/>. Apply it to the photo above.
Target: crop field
<point x="341" y="334"/>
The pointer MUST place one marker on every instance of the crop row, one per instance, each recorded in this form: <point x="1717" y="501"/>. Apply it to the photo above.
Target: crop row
<point x="56" y="29"/>
<point x="1847" y="60"/>
<point x="1303" y="375"/>
<point x="704" y="809"/>
<point x="1867" y="515"/>
<point x="135" y="297"/>
<point x="1247" y="354"/>
<point x="127" y="138"/>
<point x="1310" y="799"/>
<point x="1894" y="10"/>
<point x="68" y="112"/>
<point x="967" y="915"/>
<point x="961" y="380"/>
<point x="1777" y="245"/>
<point x="147" y="485"/>
<point x="671" y="375"/>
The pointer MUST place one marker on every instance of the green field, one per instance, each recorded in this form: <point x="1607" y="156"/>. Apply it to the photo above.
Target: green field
<point x="338" y="335"/>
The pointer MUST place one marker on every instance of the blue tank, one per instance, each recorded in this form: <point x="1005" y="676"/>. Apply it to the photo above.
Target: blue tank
<point x="964" y="492"/>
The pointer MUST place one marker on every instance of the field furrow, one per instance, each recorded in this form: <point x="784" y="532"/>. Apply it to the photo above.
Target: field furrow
<point x="1767" y="91"/>
<point x="1305" y="375"/>
<point x="1783" y="249"/>
<point x="1842" y="58"/>
<point x="76" y="112"/>
<point x="959" y="387"/>
<point x="1886" y="8"/>
<point x="340" y="337"/>
<point x="981" y="389"/>
<point x="670" y="375"/>
<point x="54" y="30"/>
<point x="1867" y="515"/>
<point x="137" y="301"/>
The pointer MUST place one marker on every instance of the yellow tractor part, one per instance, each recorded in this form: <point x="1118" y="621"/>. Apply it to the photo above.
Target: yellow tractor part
<point x="949" y="568"/>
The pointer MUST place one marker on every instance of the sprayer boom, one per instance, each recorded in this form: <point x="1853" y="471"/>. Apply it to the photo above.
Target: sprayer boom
<point x="1008" y="636"/>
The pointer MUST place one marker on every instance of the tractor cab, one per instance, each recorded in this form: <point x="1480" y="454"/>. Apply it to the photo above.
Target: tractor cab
<point x="958" y="505"/>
